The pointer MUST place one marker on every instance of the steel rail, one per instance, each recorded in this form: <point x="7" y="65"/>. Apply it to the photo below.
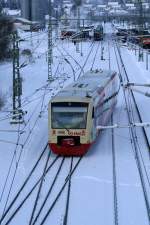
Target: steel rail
<point x="29" y="193"/>
<point x="49" y="192"/>
<point x="68" y="196"/>
<point x="92" y="46"/>
<point x="60" y="192"/>
<point x="73" y="58"/>
<point x="95" y="55"/>
<point x="17" y="162"/>
<point x="23" y="185"/>
<point x="40" y="188"/>
<point x="137" y="109"/>
<point x="134" y="142"/>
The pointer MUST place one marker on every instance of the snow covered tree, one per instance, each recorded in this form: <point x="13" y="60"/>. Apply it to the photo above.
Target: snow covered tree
<point x="6" y="29"/>
<point x="1" y="9"/>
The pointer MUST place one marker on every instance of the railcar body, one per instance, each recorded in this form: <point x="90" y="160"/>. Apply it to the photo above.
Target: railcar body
<point x="67" y="34"/>
<point x="83" y="34"/>
<point x="98" y="33"/>
<point x="76" y="111"/>
<point x="145" y="42"/>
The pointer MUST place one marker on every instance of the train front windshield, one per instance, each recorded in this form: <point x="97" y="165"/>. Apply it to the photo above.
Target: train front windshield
<point x="71" y="116"/>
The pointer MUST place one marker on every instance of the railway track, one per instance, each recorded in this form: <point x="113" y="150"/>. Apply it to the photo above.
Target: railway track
<point x="95" y="55"/>
<point x="86" y="59"/>
<point x="129" y="100"/>
<point x="43" y="107"/>
<point x="66" y="180"/>
<point x="24" y="184"/>
<point x="92" y="47"/>
<point x="65" y="221"/>
<point x="71" y="57"/>
<point x="68" y="61"/>
<point x="39" y="189"/>
<point x="8" y="209"/>
<point x="18" y="208"/>
<point x="12" y="210"/>
<point x="81" y="68"/>
<point x="20" y="132"/>
<point x="126" y="77"/>
<point x="49" y="192"/>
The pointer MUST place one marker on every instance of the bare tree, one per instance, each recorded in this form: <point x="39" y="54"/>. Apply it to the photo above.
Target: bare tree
<point x="77" y="2"/>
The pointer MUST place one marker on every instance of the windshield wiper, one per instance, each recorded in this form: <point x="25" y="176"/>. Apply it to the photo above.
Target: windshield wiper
<point x="63" y="125"/>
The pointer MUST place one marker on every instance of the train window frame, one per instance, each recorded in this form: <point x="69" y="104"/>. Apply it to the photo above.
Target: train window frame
<point x="70" y="104"/>
<point x="93" y="113"/>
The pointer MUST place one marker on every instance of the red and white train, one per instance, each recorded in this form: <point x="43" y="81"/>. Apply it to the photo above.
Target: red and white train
<point x="76" y="111"/>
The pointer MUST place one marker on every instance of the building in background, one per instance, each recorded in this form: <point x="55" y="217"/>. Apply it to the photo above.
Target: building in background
<point x="34" y="10"/>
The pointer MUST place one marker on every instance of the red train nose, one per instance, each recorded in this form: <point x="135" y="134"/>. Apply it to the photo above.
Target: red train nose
<point x="68" y="142"/>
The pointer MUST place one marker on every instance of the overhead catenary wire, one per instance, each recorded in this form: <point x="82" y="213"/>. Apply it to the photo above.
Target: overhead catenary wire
<point x="20" y="154"/>
<point x="138" y="112"/>
<point x="28" y="136"/>
<point x="18" y="144"/>
<point x="16" y="167"/>
<point x="92" y="46"/>
<point x="95" y="56"/>
<point x="23" y="145"/>
<point x="132" y="114"/>
<point x="41" y="110"/>
<point x="73" y="59"/>
<point x="68" y="62"/>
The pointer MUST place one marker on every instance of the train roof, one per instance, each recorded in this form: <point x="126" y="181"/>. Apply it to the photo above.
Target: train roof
<point x="86" y="86"/>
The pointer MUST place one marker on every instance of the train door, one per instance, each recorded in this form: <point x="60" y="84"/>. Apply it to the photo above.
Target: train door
<point x="93" y="132"/>
<point x="99" y="112"/>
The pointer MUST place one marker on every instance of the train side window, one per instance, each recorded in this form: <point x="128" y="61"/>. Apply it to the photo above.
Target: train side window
<point x="93" y="113"/>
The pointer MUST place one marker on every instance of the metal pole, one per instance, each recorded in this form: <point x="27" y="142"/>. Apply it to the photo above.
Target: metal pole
<point x="56" y="28"/>
<point x="17" y="84"/>
<point x="78" y="27"/>
<point x="81" y="39"/>
<point x="50" y="78"/>
<point x="74" y="76"/>
<point x="146" y="60"/>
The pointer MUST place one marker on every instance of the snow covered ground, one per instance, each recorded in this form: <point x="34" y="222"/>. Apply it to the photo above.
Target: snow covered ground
<point x="92" y="194"/>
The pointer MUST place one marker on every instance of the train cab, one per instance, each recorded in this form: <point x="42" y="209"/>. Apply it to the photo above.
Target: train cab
<point x="69" y="127"/>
